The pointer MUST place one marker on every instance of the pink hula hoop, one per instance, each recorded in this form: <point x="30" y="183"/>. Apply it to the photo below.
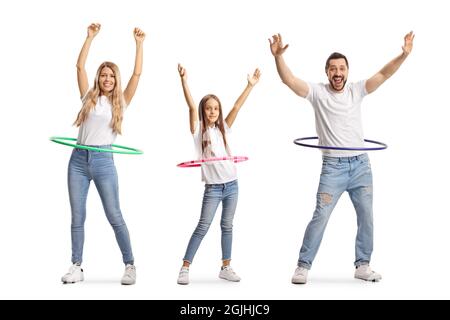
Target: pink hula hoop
<point x="198" y="163"/>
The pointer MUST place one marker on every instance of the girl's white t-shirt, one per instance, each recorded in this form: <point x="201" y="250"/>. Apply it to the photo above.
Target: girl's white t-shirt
<point x="215" y="172"/>
<point x="96" y="130"/>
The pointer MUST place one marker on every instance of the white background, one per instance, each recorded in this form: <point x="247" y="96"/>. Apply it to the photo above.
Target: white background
<point x="219" y="42"/>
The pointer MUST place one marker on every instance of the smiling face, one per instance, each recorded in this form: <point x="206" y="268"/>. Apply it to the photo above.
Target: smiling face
<point x="106" y="81"/>
<point x="337" y="73"/>
<point x="211" y="111"/>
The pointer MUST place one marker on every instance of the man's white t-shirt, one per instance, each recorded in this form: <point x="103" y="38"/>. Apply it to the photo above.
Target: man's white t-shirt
<point x="215" y="172"/>
<point x="338" y="116"/>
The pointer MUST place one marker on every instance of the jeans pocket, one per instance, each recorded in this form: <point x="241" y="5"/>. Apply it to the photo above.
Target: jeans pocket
<point x="208" y="188"/>
<point x="365" y="162"/>
<point x="327" y="168"/>
<point x="332" y="164"/>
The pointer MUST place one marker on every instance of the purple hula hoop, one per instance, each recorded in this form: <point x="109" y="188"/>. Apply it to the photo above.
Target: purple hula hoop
<point x="382" y="145"/>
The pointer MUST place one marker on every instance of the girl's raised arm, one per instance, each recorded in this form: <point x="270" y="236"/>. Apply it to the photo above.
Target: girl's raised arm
<point x="193" y="117"/>
<point x="252" y="80"/>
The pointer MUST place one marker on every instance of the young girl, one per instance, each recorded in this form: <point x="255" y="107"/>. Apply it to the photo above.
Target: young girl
<point x="100" y="120"/>
<point x="210" y="137"/>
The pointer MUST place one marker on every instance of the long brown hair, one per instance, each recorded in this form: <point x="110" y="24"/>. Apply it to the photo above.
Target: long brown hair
<point x="116" y="99"/>
<point x="204" y="123"/>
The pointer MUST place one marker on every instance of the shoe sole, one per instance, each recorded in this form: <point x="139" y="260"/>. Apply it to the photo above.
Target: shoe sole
<point x="229" y="279"/>
<point x="128" y="282"/>
<point x="71" y="282"/>
<point x="298" y="282"/>
<point x="369" y="280"/>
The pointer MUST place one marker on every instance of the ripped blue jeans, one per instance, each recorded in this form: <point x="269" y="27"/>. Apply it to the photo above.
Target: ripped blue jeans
<point x="339" y="174"/>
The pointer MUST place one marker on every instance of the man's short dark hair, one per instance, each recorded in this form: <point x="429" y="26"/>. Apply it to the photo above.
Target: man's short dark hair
<point x="335" y="55"/>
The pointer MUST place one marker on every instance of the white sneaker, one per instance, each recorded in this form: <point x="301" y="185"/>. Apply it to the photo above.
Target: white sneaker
<point x="183" y="276"/>
<point x="129" y="276"/>
<point x="364" y="272"/>
<point x="75" y="274"/>
<point x="228" y="274"/>
<point x="300" y="275"/>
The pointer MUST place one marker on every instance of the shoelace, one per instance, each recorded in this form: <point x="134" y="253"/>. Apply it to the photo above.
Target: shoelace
<point x="229" y="270"/>
<point x="370" y="271"/>
<point x="129" y="270"/>
<point x="300" y="271"/>
<point x="183" y="270"/>
<point x="72" y="269"/>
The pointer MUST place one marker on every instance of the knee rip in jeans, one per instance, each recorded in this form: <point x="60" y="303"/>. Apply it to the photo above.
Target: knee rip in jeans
<point x="325" y="198"/>
<point x="367" y="189"/>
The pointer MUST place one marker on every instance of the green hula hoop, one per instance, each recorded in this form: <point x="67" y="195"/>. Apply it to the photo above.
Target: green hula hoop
<point x="122" y="149"/>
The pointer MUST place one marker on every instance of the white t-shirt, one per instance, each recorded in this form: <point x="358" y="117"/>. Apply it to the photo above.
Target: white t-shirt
<point x="96" y="130"/>
<point x="215" y="172"/>
<point x="338" y="116"/>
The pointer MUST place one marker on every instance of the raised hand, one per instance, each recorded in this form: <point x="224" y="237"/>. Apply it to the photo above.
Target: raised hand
<point x="252" y="80"/>
<point x="93" y="29"/>
<point x="193" y="117"/>
<point x="407" y="47"/>
<point x="276" y="45"/>
<point x="139" y="35"/>
<point x="182" y="72"/>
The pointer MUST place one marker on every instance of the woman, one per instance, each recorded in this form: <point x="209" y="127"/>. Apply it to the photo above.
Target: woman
<point x="100" y="120"/>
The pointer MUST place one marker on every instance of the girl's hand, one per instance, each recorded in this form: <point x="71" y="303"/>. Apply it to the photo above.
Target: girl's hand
<point x="252" y="80"/>
<point x="93" y="29"/>
<point x="182" y="72"/>
<point x="407" y="47"/>
<point x="139" y="35"/>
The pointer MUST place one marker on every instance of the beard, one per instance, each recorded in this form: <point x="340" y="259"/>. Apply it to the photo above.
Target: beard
<point x="343" y="83"/>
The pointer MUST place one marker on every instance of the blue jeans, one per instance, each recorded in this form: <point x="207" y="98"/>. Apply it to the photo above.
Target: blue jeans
<point x="85" y="166"/>
<point x="351" y="174"/>
<point x="213" y="195"/>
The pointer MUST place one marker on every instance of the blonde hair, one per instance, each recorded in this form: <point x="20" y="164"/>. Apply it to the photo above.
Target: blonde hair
<point x="116" y="99"/>
<point x="206" y="141"/>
